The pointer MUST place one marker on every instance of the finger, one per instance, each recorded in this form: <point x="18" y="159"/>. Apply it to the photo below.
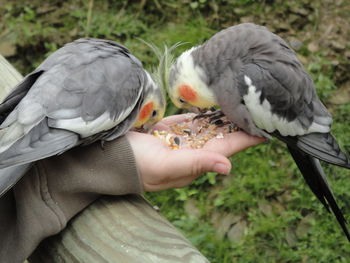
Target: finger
<point x="175" y="183"/>
<point x="164" y="124"/>
<point x="183" y="166"/>
<point x="232" y="143"/>
<point x="196" y="162"/>
<point x="177" y="118"/>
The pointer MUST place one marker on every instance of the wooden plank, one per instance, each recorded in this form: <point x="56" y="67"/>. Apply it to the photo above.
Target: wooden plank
<point x="9" y="77"/>
<point x="118" y="229"/>
<point x="113" y="228"/>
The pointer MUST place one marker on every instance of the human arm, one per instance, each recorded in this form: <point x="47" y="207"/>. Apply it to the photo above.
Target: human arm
<point x="57" y="188"/>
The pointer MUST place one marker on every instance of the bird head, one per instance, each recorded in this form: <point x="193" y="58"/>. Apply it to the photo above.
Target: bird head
<point x="188" y="86"/>
<point x="153" y="107"/>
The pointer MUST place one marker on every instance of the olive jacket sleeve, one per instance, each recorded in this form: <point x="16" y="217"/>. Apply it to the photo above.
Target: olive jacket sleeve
<point x="57" y="188"/>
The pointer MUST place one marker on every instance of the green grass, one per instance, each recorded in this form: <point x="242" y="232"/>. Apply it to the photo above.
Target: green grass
<point x="285" y="222"/>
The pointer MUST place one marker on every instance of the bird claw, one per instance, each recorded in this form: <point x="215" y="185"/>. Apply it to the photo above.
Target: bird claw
<point x="215" y="118"/>
<point x="140" y="129"/>
<point x="213" y="115"/>
<point x="232" y="127"/>
<point x="217" y="122"/>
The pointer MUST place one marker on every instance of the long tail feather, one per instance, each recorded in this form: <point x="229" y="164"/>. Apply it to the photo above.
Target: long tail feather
<point x="322" y="146"/>
<point x="316" y="179"/>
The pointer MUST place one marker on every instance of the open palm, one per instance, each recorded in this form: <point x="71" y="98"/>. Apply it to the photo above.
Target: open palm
<point x="162" y="168"/>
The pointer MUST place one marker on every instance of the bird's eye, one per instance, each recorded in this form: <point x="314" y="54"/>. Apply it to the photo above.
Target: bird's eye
<point x="181" y="100"/>
<point x="154" y="113"/>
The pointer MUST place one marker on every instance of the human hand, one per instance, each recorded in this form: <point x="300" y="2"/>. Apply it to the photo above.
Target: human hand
<point x="162" y="168"/>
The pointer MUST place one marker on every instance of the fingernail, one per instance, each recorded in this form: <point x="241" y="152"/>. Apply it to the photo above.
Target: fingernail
<point x="221" y="168"/>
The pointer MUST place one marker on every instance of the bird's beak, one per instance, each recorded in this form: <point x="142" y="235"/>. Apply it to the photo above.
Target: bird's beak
<point x="146" y="126"/>
<point x="194" y="110"/>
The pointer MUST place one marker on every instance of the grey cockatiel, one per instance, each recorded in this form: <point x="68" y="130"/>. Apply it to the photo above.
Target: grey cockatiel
<point x="88" y="90"/>
<point x="260" y="85"/>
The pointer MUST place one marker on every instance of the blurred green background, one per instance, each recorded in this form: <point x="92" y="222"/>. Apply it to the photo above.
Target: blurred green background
<point x="263" y="212"/>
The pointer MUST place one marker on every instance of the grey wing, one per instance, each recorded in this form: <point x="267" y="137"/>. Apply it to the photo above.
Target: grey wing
<point x="289" y="109"/>
<point x="280" y="96"/>
<point x="41" y="142"/>
<point x="21" y="89"/>
<point x="84" y="51"/>
<point x="72" y="55"/>
<point x="68" y="104"/>
<point x="88" y="101"/>
<point x="97" y="97"/>
<point x="17" y="94"/>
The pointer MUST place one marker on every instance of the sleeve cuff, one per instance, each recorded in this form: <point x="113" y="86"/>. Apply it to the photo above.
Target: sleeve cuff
<point x="120" y="158"/>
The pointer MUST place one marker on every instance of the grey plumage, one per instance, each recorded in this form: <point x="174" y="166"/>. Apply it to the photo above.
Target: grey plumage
<point x="88" y="90"/>
<point x="261" y="86"/>
<point x="41" y="142"/>
<point x="251" y="50"/>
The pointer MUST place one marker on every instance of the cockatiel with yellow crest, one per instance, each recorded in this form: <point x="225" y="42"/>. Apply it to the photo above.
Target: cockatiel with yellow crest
<point x="88" y="90"/>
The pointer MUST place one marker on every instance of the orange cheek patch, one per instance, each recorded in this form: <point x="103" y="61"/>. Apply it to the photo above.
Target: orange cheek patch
<point x="146" y="111"/>
<point x="187" y="93"/>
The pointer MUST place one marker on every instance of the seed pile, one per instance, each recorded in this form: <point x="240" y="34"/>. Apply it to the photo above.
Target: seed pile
<point x="193" y="134"/>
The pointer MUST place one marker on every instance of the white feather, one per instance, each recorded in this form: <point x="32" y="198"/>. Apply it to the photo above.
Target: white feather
<point x="19" y="122"/>
<point x="264" y="118"/>
<point x="315" y="127"/>
<point x="193" y="75"/>
<point x="150" y="82"/>
<point x="189" y="73"/>
<point x="63" y="113"/>
<point x="247" y="80"/>
<point x="10" y="135"/>
<point x="86" y="129"/>
<point x="29" y="113"/>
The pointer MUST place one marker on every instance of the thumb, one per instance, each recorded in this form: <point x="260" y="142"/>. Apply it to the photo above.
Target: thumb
<point x="181" y="167"/>
<point x="196" y="162"/>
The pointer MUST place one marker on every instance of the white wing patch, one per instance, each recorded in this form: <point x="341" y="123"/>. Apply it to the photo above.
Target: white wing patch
<point x="86" y="129"/>
<point x="265" y="119"/>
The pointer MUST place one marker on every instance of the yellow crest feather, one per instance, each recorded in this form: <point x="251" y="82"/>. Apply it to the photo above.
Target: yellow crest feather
<point x="166" y="58"/>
